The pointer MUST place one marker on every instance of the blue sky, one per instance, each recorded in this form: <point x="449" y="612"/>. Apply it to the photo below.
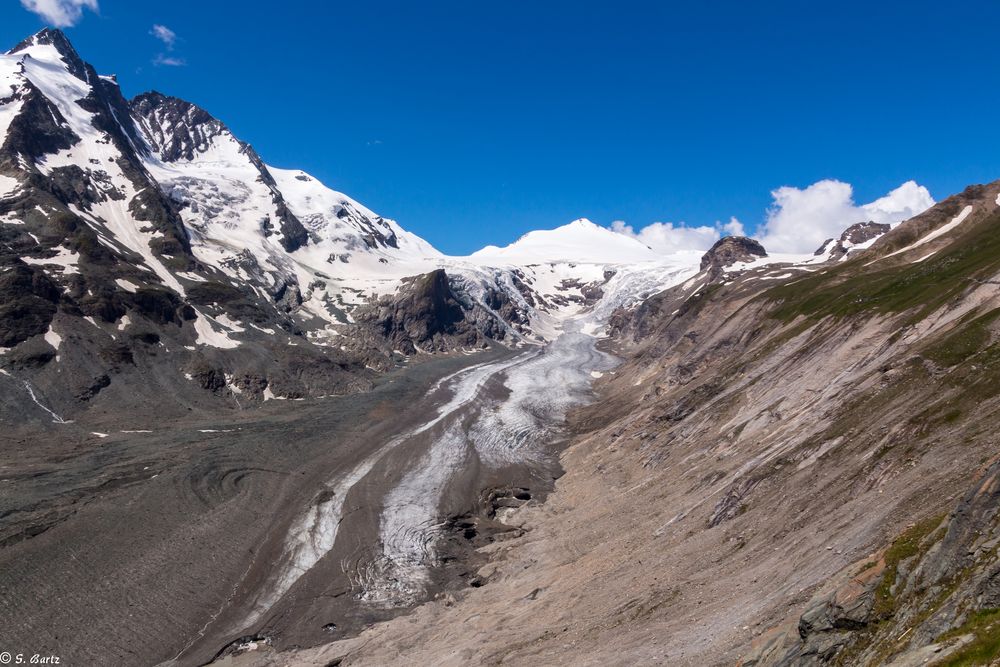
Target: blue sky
<point x="473" y="122"/>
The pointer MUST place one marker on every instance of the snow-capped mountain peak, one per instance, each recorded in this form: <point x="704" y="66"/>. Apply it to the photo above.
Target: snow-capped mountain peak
<point x="577" y="241"/>
<point x="50" y="44"/>
<point x="162" y="195"/>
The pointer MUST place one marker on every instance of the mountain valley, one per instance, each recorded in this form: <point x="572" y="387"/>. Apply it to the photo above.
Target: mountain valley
<point x="248" y="421"/>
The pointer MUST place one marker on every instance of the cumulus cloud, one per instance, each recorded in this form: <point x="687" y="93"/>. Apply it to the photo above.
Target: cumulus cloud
<point x="732" y="228"/>
<point x="667" y="237"/>
<point x="906" y="201"/>
<point x="165" y="35"/>
<point x="60" y="13"/>
<point x="800" y="220"/>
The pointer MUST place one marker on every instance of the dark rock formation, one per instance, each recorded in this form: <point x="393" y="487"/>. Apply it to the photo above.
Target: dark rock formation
<point x="424" y="314"/>
<point x="935" y="586"/>
<point x="730" y="250"/>
<point x="861" y="232"/>
<point x="28" y="301"/>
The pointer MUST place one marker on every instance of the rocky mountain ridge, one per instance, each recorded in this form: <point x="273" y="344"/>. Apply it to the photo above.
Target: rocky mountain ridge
<point x="145" y="232"/>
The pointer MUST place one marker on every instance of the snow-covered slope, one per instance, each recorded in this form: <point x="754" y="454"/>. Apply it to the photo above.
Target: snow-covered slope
<point x="243" y="216"/>
<point x="109" y="198"/>
<point x="280" y="230"/>
<point x="81" y="145"/>
<point x="579" y="241"/>
<point x="579" y="271"/>
<point x="350" y="255"/>
<point x="183" y="204"/>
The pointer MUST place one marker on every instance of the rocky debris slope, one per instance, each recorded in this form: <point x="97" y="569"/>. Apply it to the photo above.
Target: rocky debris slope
<point x="791" y="453"/>
<point x="929" y="598"/>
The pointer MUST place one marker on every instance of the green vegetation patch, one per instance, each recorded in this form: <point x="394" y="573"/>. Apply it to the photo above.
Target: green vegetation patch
<point x="848" y="288"/>
<point x="967" y="340"/>
<point x="907" y="545"/>
<point x="984" y="625"/>
<point x="915" y="541"/>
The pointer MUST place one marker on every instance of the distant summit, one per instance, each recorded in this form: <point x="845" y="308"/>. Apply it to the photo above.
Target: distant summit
<point x="578" y="241"/>
<point x="730" y="250"/>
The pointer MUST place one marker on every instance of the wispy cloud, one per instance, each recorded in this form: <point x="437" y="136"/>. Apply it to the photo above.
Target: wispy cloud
<point x="169" y="39"/>
<point x="60" y="13"/>
<point x="165" y="35"/>
<point x="168" y="61"/>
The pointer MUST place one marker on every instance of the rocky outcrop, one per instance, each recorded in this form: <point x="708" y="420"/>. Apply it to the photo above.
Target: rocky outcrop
<point x="930" y="597"/>
<point x="175" y="129"/>
<point x="28" y="300"/>
<point x="857" y="234"/>
<point x="729" y="251"/>
<point x="423" y="316"/>
<point x="863" y="232"/>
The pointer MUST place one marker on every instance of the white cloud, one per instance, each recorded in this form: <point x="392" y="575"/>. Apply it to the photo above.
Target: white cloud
<point x="732" y="228"/>
<point x="60" y="13"/>
<point x="666" y="237"/>
<point x="906" y="201"/>
<point x="168" y="61"/>
<point x="165" y="35"/>
<point x="800" y="220"/>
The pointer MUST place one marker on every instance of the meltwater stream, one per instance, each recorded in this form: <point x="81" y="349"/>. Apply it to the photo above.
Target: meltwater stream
<point x="496" y="414"/>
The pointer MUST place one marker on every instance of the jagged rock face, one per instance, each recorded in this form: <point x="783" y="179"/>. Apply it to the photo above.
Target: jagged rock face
<point x="863" y="231"/>
<point x="174" y="128"/>
<point x="28" y="300"/>
<point x="424" y="315"/>
<point x="41" y="129"/>
<point x="730" y="250"/>
<point x="76" y="175"/>
<point x="857" y="234"/>
<point x="177" y="130"/>
<point x="38" y="129"/>
<point x="93" y="250"/>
